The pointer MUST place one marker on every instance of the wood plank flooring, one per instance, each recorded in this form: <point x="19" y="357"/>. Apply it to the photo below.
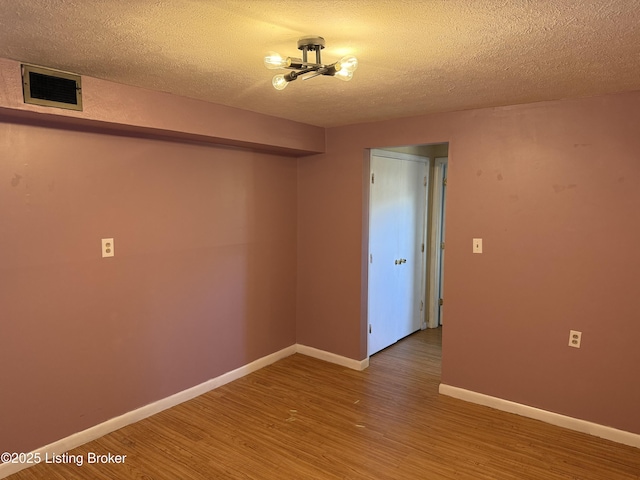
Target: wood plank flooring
<point x="302" y="418"/>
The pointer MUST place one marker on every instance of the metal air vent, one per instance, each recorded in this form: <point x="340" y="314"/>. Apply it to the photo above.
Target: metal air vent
<point x="51" y="88"/>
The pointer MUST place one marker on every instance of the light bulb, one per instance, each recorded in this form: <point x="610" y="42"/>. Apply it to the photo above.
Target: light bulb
<point x="279" y="83"/>
<point x="273" y="61"/>
<point x="343" y="74"/>
<point x="348" y="63"/>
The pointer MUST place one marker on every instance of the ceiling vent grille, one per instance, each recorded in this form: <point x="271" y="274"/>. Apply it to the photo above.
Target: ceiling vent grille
<point x="51" y="88"/>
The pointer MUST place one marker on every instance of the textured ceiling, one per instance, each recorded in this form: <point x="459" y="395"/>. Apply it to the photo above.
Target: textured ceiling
<point x="415" y="56"/>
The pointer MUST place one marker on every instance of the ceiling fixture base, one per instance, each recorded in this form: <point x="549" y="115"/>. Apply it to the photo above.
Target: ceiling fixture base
<point x="311" y="42"/>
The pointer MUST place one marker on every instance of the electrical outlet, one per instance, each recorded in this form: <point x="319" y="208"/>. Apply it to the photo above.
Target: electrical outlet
<point x="107" y="247"/>
<point x="575" y="338"/>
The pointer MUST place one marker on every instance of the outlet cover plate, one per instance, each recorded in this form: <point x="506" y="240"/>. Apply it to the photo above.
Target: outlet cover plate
<point x="575" y="338"/>
<point x="107" y="247"/>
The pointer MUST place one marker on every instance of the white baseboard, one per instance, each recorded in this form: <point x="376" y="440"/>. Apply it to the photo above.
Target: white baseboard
<point x="97" y="431"/>
<point x="609" y="433"/>
<point x="332" y="357"/>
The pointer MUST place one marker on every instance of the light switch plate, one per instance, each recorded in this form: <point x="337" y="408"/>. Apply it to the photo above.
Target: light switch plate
<point x="477" y="245"/>
<point x="107" y="247"/>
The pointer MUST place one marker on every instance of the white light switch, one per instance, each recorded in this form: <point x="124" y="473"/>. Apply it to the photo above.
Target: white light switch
<point x="107" y="247"/>
<point x="477" y="245"/>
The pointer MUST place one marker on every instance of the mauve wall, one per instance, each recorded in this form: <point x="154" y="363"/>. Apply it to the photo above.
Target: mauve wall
<point x="554" y="191"/>
<point x="126" y="108"/>
<point x="203" y="280"/>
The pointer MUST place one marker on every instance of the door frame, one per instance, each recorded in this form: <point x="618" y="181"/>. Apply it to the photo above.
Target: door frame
<point x="423" y="264"/>
<point x="436" y="252"/>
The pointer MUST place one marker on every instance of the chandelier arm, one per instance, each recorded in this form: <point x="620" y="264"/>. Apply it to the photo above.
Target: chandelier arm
<point x="330" y="70"/>
<point x="306" y="70"/>
<point x="314" y="75"/>
<point x="306" y="64"/>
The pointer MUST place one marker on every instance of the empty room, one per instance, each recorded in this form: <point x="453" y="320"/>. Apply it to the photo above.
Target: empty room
<point x="319" y="239"/>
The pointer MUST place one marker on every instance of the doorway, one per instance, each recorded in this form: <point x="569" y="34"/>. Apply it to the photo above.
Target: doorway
<point x="405" y="222"/>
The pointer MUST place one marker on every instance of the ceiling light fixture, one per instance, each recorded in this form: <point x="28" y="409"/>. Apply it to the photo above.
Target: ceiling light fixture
<point x="342" y="69"/>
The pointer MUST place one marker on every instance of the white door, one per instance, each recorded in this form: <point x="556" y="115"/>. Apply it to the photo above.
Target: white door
<point x="383" y="252"/>
<point x="411" y="234"/>
<point x="396" y="234"/>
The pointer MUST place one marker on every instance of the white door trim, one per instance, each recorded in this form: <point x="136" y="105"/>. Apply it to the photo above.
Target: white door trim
<point x="399" y="156"/>
<point x="437" y="217"/>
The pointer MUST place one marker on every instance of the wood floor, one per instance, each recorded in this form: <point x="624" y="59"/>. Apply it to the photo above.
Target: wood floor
<point x="302" y="418"/>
